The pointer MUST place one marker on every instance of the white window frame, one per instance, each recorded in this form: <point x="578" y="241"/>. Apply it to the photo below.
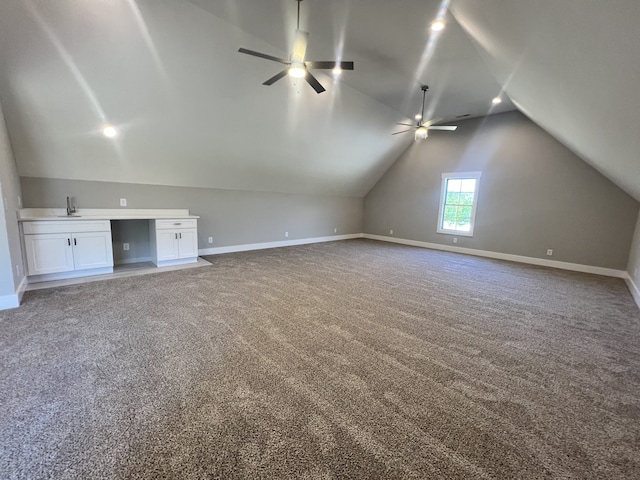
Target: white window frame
<point x="456" y="175"/>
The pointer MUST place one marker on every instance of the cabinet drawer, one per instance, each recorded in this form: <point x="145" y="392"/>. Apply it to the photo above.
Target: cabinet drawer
<point x="66" y="226"/>
<point x="176" y="223"/>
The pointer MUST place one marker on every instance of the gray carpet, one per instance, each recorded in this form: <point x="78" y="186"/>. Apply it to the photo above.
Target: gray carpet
<point x="352" y="359"/>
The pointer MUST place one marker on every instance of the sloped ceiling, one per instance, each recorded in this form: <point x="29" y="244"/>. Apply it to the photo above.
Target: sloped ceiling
<point x="192" y="111"/>
<point x="573" y="67"/>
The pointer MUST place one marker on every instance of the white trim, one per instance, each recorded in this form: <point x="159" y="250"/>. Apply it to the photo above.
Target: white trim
<point x="284" y="243"/>
<point x="458" y="175"/>
<point x="22" y="287"/>
<point x="177" y="261"/>
<point x="9" y="301"/>
<point x="633" y="288"/>
<point x="576" y="267"/>
<point x="13" y="300"/>
<point x="47" y="277"/>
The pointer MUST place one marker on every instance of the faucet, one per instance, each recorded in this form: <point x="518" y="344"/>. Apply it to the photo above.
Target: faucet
<point x="70" y="210"/>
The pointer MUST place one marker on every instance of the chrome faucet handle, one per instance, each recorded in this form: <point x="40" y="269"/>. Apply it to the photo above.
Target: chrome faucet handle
<point x="70" y="209"/>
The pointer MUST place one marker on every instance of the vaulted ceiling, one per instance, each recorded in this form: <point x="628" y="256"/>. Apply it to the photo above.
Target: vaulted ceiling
<point x="192" y="111"/>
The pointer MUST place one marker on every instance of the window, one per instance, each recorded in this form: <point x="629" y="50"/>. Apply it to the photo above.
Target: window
<point x="458" y="200"/>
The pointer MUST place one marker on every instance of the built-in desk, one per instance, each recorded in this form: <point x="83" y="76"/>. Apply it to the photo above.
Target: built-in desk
<point x="59" y="246"/>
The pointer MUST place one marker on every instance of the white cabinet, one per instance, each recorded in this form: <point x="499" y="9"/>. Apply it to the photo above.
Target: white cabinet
<point x="174" y="241"/>
<point x="56" y="247"/>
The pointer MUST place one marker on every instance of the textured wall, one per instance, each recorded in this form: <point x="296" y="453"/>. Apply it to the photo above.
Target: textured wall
<point x="534" y="194"/>
<point x="231" y="217"/>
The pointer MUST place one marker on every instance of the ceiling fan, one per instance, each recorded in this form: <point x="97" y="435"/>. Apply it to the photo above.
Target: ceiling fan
<point x="422" y="128"/>
<point x="297" y="67"/>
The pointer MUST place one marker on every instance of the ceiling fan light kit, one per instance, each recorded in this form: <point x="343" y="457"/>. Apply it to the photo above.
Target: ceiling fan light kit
<point x="422" y="128"/>
<point x="297" y="66"/>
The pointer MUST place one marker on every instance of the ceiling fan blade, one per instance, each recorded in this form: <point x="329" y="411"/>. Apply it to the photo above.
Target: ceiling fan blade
<point x="403" y="131"/>
<point x="405" y="124"/>
<point x="329" y="65"/>
<point x="299" y="46"/>
<point x="263" y="55"/>
<point x="275" y="78"/>
<point x="451" y="128"/>
<point x="313" y="81"/>
<point x="431" y="122"/>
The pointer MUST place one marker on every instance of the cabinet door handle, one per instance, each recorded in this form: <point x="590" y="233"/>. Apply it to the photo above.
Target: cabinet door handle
<point x="176" y="236"/>
<point x="180" y="235"/>
<point x="178" y="223"/>
<point x="69" y="241"/>
<point x="75" y="241"/>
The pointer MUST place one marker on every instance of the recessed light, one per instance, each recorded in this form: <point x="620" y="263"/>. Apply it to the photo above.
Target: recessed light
<point x="418" y="117"/>
<point x="496" y="100"/>
<point x="336" y="71"/>
<point x="437" y="26"/>
<point x="109" y="131"/>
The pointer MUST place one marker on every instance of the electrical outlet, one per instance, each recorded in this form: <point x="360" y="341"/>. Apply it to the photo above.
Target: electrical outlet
<point x="390" y="232"/>
<point x="123" y="202"/>
<point x="19" y="201"/>
<point x="335" y="230"/>
<point x="125" y="246"/>
<point x="286" y="234"/>
<point x="17" y="270"/>
<point x="549" y="251"/>
<point x="455" y="240"/>
<point x="210" y="240"/>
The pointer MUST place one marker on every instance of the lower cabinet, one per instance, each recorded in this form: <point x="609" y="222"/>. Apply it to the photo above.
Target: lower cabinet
<point x="67" y="246"/>
<point x="174" y="241"/>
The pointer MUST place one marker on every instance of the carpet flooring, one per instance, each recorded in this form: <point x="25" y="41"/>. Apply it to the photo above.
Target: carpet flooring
<point x="350" y="359"/>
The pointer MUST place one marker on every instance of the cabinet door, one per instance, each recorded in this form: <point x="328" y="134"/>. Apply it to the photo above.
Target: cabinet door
<point x="188" y="243"/>
<point x="167" y="244"/>
<point x="92" y="250"/>
<point x="48" y="253"/>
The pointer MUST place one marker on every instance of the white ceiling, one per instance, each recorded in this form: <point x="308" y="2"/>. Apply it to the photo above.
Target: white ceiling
<point x="193" y="112"/>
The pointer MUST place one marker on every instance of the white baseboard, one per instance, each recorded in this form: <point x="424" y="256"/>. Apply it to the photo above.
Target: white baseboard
<point x="9" y="301"/>
<point x="13" y="300"/>
<point x="284" y="243"/>
<point x="609" y="272"/>
<point x="633" y="288"/>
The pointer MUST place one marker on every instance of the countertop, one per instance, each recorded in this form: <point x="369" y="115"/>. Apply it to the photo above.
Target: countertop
<point x="58" y="214"/>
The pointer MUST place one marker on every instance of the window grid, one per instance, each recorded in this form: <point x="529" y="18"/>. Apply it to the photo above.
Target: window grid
<point x="458" y="202"/>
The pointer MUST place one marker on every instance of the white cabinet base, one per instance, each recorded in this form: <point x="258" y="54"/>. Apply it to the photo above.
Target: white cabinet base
<point x="179" y="261"/>
<point x="72" y="274"/>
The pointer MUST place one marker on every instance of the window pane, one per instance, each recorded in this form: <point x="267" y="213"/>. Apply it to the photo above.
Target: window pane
<point x="453" y="185"/>
<point x="466" y="199"/>
<point x="468" y="185"/>
<point x="453" y="198"/>
<point x="449" y="220"/>
<point x="464" y="216"/>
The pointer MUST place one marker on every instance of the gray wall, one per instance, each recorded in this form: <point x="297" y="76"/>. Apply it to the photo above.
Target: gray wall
<point x="231" y="217"/>
<point x="534" y="194"/>
<point x="10" y="250"/>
